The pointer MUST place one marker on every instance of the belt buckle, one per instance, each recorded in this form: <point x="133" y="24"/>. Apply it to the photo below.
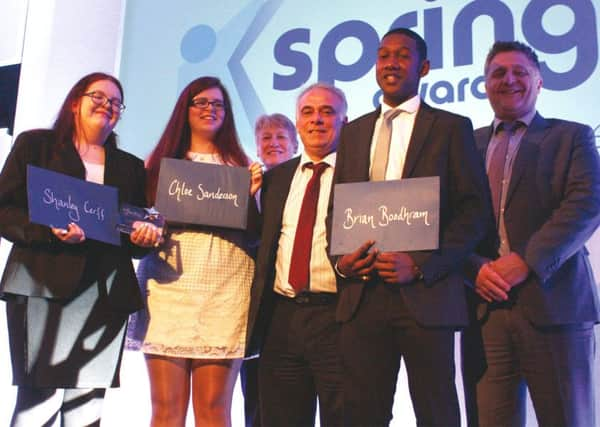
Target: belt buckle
<point x="302" y="298"/>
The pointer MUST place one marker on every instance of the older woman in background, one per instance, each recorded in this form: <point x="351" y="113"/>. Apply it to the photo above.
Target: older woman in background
<point x="276" y="139"/>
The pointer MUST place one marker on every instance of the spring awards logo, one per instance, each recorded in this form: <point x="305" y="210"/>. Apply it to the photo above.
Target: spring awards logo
<point x="581" y="38"/>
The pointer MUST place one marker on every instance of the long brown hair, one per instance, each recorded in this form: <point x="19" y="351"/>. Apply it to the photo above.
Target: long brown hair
<point x="64" y="126"/>
<point x="176" y="138"/>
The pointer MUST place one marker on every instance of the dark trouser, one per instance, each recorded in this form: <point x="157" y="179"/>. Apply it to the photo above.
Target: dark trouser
<point x="373" y="343"/>
<point x="506" y="353"/>
<point x="249" y="377"/>
<point x="300" y="361"/>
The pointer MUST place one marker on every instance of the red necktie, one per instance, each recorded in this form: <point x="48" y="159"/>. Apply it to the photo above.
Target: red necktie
<point x="300" y="262"/>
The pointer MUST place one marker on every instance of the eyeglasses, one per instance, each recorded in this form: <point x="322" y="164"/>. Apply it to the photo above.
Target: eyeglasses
<point x="204" y="103"/>
<point x="99" y="98"/>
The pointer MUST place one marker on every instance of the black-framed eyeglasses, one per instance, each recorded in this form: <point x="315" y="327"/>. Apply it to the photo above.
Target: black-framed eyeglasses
<point x="205" y="103"/>
<point x="99" y="98"/>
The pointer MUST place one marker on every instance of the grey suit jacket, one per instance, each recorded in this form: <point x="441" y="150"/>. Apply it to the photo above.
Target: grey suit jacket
<point x="552" y="209"/>
<point x="441" y="145"/>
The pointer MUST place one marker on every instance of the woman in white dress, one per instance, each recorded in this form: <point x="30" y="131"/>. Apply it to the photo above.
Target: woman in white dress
<point x="198" y="282"/>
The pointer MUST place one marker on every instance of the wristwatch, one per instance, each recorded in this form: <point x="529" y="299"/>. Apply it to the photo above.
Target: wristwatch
<point x="418" y="272"/>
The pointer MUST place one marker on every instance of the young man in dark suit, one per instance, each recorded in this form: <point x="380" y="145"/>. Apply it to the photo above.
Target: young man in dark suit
<point x="536" y="300"/>
<point x="407" y="305"/>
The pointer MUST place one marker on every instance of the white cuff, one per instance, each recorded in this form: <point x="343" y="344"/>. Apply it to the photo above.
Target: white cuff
<point x="338" y="272"/>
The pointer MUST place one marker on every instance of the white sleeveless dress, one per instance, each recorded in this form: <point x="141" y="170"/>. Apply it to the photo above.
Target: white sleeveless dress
<point x="198" y="291"/>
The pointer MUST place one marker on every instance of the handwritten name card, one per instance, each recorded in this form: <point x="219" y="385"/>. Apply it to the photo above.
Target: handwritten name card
<point x="56" y="200"/>
<point x="202" y="193"/>
<point x="400" y="215"/>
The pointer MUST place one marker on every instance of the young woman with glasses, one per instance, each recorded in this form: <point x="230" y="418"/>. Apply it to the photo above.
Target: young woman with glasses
<point x="198" y="282"/>
<point x="68" y="297"/>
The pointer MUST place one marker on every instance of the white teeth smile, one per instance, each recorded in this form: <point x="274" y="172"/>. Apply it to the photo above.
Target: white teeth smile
<point x="510" y="90"/>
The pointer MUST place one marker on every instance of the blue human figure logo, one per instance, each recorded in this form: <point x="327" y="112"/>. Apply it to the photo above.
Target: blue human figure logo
<point x="207" y="51"/>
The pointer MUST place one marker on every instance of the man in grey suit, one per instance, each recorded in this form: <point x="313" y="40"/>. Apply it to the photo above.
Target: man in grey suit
<point x="535" y="298"/>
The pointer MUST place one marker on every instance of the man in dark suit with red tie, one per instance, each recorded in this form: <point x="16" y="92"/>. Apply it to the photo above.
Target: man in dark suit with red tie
<point x="406" y="305"/>
<point x="292" y="312"/>
<point x="536" y="301"/>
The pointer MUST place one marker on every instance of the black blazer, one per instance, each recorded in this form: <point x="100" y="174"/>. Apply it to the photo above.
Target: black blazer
<point x="441" y="145"/>
<point x="552" y="208"/>
<point x="39" y="264"/>
<point x="274" y="193"/>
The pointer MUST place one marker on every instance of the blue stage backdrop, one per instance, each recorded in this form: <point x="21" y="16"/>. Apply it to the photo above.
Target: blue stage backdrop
<point x="265" y="51"/>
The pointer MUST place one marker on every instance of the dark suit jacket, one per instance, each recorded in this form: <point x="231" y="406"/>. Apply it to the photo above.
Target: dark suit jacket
<point x="441" y="145"/>
<point x="552" y="209"/>
<point x="274" y="193"/>
<point x="39" y="264"/>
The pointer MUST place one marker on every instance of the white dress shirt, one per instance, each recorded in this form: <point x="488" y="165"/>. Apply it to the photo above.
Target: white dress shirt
<point x="322" y="276"/>
<point x="402" y="128"/>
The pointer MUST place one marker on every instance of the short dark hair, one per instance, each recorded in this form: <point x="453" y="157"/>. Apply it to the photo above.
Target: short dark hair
<point x="511" y="46"/>
<point x="420" y="42"/>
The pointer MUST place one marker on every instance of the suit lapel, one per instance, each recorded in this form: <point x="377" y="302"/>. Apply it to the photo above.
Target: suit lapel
<point x="281" y="181"/>
<point x="68" y="162"/>
<point x="423" y="124"/>
<point x="362" y="152"/>
<point x="528" y="150"/>
<point x="111" y="173"/>
<point x="482" y="140"/>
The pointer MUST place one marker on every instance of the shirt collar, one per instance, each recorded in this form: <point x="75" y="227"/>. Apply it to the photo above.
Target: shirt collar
<point x="329" y="159"/>
<point x="525" y="119"/>
<point x="410" y="106"/>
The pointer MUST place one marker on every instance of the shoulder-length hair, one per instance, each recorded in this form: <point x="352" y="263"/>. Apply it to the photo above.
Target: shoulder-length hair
<point x="64" y="126"/>
<point x="176" y="138"/>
